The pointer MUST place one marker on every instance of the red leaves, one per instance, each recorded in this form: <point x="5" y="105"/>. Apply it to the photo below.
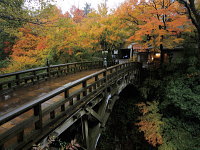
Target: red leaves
<point x="77" y="14"/>
<point x="42" y="44"/>
<point x="7" y="47"/>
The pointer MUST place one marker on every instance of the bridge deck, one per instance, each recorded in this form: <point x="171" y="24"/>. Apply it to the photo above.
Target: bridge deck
<point x="24" y="95"/>
<point x="31" y="114"/>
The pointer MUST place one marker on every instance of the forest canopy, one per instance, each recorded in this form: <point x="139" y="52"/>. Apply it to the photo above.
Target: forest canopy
<point x="33" y="32"/>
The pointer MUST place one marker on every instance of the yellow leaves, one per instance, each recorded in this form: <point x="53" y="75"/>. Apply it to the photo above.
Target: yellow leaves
<point x="178" y="40"/>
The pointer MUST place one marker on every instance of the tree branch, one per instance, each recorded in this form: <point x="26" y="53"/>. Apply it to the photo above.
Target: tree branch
<point x="189" y="12"/>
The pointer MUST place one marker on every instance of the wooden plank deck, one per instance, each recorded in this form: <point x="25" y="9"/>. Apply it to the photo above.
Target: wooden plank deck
<point x="26" y="94"/>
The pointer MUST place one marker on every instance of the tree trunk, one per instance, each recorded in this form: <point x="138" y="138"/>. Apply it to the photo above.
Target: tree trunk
<point x="198" y="38"/>
<point x="193" y="15"/>
<point x="162" y="55"/>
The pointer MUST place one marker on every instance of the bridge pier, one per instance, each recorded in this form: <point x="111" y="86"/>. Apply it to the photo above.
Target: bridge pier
<point x="92" y="130"/>
<point x="85" y="131"/>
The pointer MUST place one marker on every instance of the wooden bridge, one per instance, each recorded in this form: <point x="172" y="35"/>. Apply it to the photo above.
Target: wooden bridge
<point x="88" y="100"/>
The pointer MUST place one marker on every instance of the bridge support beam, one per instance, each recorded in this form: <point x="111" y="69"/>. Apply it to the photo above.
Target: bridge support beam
<point x="85" y="131"/>
<point x="93" y="132"/>
<point x="94" y="114"/>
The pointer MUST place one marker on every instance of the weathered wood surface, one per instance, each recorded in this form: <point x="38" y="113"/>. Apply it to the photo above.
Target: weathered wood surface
<point x="23" y="95"/>
<point x="16" y="79"/>
<point x="33" y="121"/>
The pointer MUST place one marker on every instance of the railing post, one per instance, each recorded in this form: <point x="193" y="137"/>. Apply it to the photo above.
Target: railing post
<point x="17" y="79"/>
<point x="78" y="97"/>
<point x="52" y="114"/>
<point x="48" y="69"/>
<point x="1" y="87"/>
<point x="84" y="85"/>
<point x="62" y="107"/>
<point x="90" y="89"/>
<point x="90" y="65"/>
<point x="86" y="66"/>
<point x="20" y="137"/>
<point x="67" y="68"/>
<point x="105" y="76"/>
<point x="64" y="70"/>
<point x="38" y="112"/>
<point x="97" y="84"/>
<point x="38" y="77"/>
<point x="59" y="71"/>
<point x="75" y="69"/>
<point x="9" y="85"/>
<point x="117" y="71"/>
<point x="93" y="65"/>
<point x="67" y="96"/>
<point x="80" y="66"/>
<point x="34" y="75"/>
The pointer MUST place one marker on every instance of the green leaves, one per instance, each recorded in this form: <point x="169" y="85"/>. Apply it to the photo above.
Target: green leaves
<point x="177" y="108"/>
<point x="180" y="135"/>
<point x="182" y="93"/>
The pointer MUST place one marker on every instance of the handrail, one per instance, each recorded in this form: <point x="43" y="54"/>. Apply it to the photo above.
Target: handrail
<point x="20" y="78"/>
<point x="21" y="72"/>
<point x="42" y="99"/>
<point x="37" y="69"/>
<point x="100" y="80"/>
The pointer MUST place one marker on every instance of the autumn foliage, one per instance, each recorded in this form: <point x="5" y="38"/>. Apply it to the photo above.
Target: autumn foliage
<point x="150" y="122"/>
<point x="61" y="38"/>
<point x="158" y="23"/>
<point x="77" y="34"/>
<point x="29" y="38"/>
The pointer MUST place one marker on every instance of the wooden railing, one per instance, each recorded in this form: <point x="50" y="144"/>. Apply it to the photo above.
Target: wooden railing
<point x="30" y="76"/>
<point x="68" y="99"/>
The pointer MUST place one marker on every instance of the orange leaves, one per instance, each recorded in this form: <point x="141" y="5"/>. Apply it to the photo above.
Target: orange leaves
<point x="30" y="48"/>
<point x="156" y="21"/>
<point x="42" y="44"/>
<point x="70" y="52"/>
<point x="150" y="122"/>
<point x="151" y="135"/>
